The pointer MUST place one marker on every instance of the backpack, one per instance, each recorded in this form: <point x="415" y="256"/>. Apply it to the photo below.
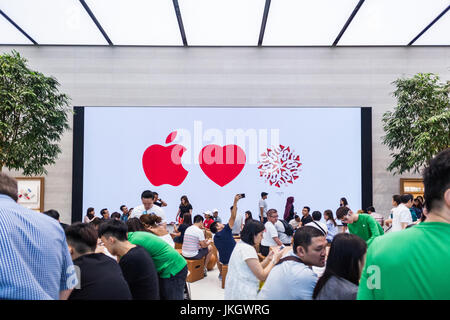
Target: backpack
<point x="288" y="230"/>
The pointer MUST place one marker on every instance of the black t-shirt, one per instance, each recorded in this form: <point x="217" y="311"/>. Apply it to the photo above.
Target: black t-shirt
<point x="158" y="203"/>
<point x="184" y="209"/>
<point x="306" y="220"/>
<point x="101" y="279"/>
<point x="140" y="273"/>
<point x="182" y="228"/>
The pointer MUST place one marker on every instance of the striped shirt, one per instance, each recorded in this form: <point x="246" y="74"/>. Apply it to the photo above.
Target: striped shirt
<point x="35" y="262"/>
<point x="191" y="242"/>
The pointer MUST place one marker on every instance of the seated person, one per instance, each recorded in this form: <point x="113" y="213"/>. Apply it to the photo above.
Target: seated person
<point x="223" y="235"/>
<point x="295" y="223"/>
<point x="100" y="276"/>
<point x="181" y="229"/>
<point x="208" y="219"/>
<point x="137" y="266"/>
<point x="154" y="224"/>
<point x="195" y="246"/>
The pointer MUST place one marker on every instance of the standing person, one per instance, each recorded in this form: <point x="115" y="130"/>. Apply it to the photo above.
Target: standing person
<point x="157" y="201"/>
<point x="262" y="207"/>
<point x="293" y="278"/>
<point x="417" y="207"/>
<point x="100" y="276"/>
<point x="125" y="213"/>
<point x="35" y="262"/>
<point x="306" y="218"/>
<point x="296" y="222"/>
<point x="344" y="265"/>
<point x="105" y="214"/>
<point x="343" y="203"/>
<point x="223" y="236"/>
<point x="362" y="225"/>
<point x="244" y="269"/>
<point x="285" y="232"/>
<point x="90" y="215"/>
<point x="170" y="265"/>
<point x="270" y="234"/>
<point x="289" y="210"/>
<point x="414" y="263"/>
<point x="115" y="215"/>
<point x="137" y="266"/>
<point x="185" y="207"/>
<point x="216" y="217"/>
<point x="195" y="246"/>
<point x="401" y="216"/>
<point x="331" y="225"/>
<point x="181" y="229"/>
<point x="248" y="216"/>
<point x="395" y="203"/>
<point x="55" y="215"/>
<point x="316" y="223"/>
<point x="148" y="207"/>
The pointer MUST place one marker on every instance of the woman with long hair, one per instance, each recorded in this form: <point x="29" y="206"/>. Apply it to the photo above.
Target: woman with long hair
<point x="179" y="231"/>
<point x="185" y="207"/>
<point x="90" y="215"/>
<point x="289" y="210"/>
<point x="343" y="269"/>
<point x="248" y="216"/>
<point x="154" y="224"/>
<point x="331" y="225"/>
<point x="244" y="269"/>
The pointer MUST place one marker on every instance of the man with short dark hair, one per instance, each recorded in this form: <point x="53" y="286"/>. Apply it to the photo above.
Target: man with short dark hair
<point x="293" y="278"/>
<point x="125" y="213"/>
<point x="378" y="217"/>
<point x="100" y="276"/>
<point x="148" y="207"/>
<point x="413" y="264"/>
<point x="137" y="266"/>
<point x="363" y="225"/>
<point x="401" y="216"/>
<point x="157" y="201"/>
<point x="55" y="215"/>
<point x="35" y="263"/>
<point x="195" y="246"/>
<point x="306" y="217"/>
<point x="223" y="235"/>
<point x="105" y="214"/>
<point x="216" y="217"/>
<point x="262" y="207"/>
<point x="316" y="223"/>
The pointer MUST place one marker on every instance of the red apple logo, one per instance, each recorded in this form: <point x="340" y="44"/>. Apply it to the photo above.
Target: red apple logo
<point x="162" y="165"/>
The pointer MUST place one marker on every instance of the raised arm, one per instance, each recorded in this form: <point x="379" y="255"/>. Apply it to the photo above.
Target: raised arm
<point x="234" y="211"/>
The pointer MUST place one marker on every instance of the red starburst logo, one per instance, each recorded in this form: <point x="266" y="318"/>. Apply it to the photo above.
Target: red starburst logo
<point x="279" y="166"/>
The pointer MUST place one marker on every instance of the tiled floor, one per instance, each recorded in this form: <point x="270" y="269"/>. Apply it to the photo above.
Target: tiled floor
<point x="209" y="288"/>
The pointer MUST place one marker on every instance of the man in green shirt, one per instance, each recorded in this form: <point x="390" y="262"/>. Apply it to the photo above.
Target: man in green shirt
<point x="363" y="225"/>
<point x="170" y="265"/>
<point x="412" y="264"/>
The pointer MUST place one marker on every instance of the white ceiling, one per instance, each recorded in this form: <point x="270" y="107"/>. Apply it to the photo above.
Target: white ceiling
<point x="225" y="22"/>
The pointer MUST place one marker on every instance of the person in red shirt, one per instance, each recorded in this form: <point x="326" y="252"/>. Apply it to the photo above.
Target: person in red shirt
<point x="208" y="219"/>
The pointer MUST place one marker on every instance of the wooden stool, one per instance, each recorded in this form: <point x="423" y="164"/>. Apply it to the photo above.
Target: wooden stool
<point x="178" y="245"/>
<point x="224" y="274"/>
<point x="212" y="261"/>
<point x="196" y="270"/>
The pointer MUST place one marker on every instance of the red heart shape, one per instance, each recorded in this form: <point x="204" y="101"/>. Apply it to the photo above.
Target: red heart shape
<point x="222" y="164"/>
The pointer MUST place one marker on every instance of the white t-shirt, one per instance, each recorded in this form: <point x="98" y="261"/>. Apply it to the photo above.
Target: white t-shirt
<point x="168" y="238"/>
<point x="138" y="211"/>
<point x="237" y="224"/>
<point x="191" y="242"/>
<point x="262" y="204"/>
<point x="269" y="233"/>
<point x="294" y="223"/>
<point x="321" y="224"/>
<point x="241" y="283"/>
<point x="399" y="215"/>
<point x="284" y="238"/>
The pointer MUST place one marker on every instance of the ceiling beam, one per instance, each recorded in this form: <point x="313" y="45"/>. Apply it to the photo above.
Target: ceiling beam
<point x="91" y="14"/>
<point x="263" y="23"/>
<point x="180" y="22"/>
<point x="17" y="27"/>
<point x="429" y="26"/>
<point x="349" y="20"/>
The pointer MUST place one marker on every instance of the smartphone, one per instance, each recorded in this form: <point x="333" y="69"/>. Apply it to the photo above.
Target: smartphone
<point x="282" y="247"/>
<point x="242" y="195"/>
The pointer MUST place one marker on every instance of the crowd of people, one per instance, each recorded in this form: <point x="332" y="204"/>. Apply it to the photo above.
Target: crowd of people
<point x="132" y="254"/>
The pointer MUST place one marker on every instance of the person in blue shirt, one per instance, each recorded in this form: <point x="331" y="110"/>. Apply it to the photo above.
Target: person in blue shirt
<point x="35" y="262"/>
<point x="331" y="225"/>
<point x="223" y="235"/>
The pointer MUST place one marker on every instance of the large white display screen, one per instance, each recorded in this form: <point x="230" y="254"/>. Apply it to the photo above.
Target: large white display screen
<point x="312" y="154"/>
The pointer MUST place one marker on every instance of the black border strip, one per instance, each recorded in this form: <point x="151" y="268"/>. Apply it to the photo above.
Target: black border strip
<point x="366" y="158"/>
<point x="17" y="27"/>
<point x="99" y="26"/>
<point x="77" y="164"/>
<point x="78" y="155"/>
<point x="349" y="20"/>
<point x="264" y="22"/>
<point x="429" y="26"/>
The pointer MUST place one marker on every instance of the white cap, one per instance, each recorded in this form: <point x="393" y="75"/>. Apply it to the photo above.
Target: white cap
<point x="207" y="212"/>
<point x="215" y="210"/>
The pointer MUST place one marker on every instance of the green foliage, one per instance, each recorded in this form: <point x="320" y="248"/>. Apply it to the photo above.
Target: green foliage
<point x="33" y="116"/>
<point x="419" y="127"/>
